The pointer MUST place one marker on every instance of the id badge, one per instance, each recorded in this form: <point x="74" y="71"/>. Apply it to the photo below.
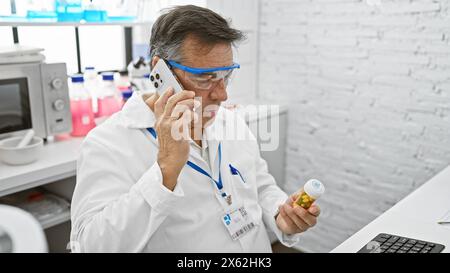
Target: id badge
<point x="238" y="222"/>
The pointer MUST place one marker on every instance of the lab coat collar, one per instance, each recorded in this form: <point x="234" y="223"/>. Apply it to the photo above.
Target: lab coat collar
<point x="214" y="138"/>
<point x="211" y="138"/>
<point x="136" y="114"/>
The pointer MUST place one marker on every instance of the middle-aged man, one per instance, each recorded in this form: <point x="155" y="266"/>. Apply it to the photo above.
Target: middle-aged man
<point x="141" y="188"/>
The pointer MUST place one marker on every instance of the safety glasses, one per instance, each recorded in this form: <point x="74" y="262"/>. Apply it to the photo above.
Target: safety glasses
<point x="205" y="78"/>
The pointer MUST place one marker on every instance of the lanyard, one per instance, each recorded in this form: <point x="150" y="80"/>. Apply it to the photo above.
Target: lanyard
<point x="197" y="168"/>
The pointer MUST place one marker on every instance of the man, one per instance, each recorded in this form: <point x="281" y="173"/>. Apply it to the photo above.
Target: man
<point x="141" y="188"/>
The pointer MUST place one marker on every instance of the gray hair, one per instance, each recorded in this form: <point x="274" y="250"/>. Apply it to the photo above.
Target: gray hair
<point x="175" y="24"/>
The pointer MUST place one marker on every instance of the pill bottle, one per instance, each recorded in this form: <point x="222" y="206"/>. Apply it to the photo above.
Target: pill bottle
<point x="311" y="191"/>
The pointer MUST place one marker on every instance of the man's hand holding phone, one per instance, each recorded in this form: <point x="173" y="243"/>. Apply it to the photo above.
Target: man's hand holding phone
<point x="174" y="116"/>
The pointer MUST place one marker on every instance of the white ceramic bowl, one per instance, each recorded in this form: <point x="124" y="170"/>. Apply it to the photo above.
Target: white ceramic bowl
<point x="11" y="155"/>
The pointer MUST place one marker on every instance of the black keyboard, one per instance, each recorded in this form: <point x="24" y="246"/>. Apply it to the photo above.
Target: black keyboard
<point x="388" y="243"/>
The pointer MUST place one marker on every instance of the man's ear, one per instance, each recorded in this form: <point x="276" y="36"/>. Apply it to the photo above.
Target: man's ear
<point x="155" y="59"/>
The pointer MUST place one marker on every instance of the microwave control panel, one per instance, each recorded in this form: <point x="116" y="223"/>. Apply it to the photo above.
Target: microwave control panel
<point x="55" y="92"/>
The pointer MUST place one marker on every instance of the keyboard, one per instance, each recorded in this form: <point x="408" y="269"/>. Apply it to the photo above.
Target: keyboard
<point x="388" y="243"/>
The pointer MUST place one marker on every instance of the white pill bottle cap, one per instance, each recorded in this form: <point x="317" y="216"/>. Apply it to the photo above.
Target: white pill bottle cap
<point x="314" y="188"/>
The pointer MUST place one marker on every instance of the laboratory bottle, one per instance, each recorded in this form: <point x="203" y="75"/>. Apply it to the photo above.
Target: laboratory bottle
<point x="92" y="84"/>
<point x="80" y="107"/>
<point x="109" y="100"/>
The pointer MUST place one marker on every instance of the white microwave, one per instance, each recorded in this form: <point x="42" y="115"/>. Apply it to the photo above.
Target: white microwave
<point x="34" y="96"/>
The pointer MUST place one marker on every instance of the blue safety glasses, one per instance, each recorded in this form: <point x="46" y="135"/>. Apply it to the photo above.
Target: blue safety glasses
<point x="205" y="78"/>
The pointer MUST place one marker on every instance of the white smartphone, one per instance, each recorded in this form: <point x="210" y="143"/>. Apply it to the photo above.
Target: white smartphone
<point x="162" y="78"/>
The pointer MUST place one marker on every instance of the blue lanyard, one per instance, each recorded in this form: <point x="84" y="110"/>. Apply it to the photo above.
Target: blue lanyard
<point x="197" y="168"/>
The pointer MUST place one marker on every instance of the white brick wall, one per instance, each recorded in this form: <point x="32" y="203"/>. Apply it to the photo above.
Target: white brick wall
<point x="369" y="94"/>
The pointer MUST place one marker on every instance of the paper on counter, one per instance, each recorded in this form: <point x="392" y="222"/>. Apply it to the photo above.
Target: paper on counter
<point x="445" y="219"/>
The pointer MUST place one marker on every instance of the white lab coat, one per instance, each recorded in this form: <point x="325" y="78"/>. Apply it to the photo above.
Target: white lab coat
<point x="121" y="205"/>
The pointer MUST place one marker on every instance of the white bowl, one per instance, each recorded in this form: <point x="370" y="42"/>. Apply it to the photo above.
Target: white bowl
<point x="11" y="155"/>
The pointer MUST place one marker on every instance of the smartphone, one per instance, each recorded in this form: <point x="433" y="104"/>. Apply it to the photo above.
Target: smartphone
<point x="162" y="78"/>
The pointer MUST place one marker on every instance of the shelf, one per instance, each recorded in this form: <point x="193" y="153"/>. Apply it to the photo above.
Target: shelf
<point x="25" y="22"/>
<point x="56" y="220"/>
<point x="57" y="161"/>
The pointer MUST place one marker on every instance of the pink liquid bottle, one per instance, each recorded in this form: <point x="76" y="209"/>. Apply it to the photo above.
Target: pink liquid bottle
<point x="91" y="84"/>
<point x="81" y="107"/>
<point x="109" y="99"/>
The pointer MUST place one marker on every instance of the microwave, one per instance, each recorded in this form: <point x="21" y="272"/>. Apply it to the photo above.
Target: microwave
<point x="34" y="96"/>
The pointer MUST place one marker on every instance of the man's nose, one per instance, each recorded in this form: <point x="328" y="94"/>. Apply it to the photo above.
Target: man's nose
<point x="219" y="93"/>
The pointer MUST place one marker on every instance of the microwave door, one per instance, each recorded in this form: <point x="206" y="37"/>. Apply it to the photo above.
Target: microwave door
<point x="24" y="79"/>
<point x="34" y="96"/>
<point x="15" y="112"/>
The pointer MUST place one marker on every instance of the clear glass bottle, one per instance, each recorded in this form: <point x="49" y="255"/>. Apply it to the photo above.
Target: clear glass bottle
<point x="311" y="191"/>
<point x="81" y="107"/>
